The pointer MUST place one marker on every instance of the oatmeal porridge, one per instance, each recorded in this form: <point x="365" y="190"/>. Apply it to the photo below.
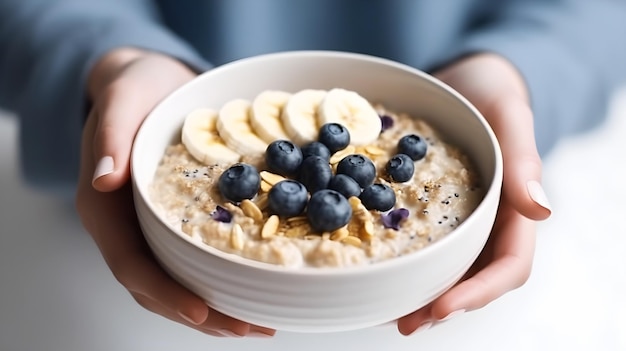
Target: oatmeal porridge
<point x="315" y="178"/>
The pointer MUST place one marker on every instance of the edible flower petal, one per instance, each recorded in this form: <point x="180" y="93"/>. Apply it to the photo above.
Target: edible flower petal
<point x="394" y="217"/>
<point x="386" y="122"/>
<point x="221" y="215"/>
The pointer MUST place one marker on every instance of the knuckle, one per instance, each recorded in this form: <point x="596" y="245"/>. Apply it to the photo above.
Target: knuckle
<point x="119" y="273"/>
<point x="143" y="301"/>
<point x="522" y="276"/>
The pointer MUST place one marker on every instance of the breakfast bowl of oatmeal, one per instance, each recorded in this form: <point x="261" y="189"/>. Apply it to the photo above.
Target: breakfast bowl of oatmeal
<point x="316" y="191"/>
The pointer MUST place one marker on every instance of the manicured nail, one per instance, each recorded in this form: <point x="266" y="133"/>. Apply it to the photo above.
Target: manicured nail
<point x="187" y="318"/>
<point x="227" y="332"/>
<point x="424" y="326"/>
<point x="258" y="334"/>
<point x="537" y="194"/>
<point x="105" y="166"/>
<point x="452" y="315"/>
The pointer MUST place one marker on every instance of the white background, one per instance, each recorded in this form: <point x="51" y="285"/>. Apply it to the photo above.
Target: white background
<point x="56" y="293"/>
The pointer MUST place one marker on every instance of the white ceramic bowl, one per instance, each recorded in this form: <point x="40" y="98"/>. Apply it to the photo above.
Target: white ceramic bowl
<point x="313" y="299"/>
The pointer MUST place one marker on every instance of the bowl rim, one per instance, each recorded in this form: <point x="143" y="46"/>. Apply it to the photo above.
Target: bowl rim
<point x="493" y="190"/>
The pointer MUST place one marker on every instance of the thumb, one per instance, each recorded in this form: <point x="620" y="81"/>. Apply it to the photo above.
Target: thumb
<point x="119" y="118"/>
<point x="122" y="107"/>
<point x="512" y="121"/>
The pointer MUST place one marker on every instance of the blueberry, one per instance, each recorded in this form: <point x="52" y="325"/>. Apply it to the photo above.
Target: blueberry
<point x="239" y="182"/>
<point x="328" y="210"/>
<point x="335" y="136"/>
<point x="287" y="198"/>
<point x="315" y="149"/>
<point x="378" y="197"/>
<point x="400" y="168"/>
<point x="221" y="215"/>
<point x="359" y="168"/>
<point x="283" y="157"/>
<point x="386" y="122"/>
<point x="315" y="173"/>
<point x="413" y="146"/>
<point x="345" y="185"/>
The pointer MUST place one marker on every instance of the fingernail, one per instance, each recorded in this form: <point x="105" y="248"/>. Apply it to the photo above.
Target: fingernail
<point x="452" y="315"/>
<point x="537" y="194"/>
<point x="105" y="166"/>
<point x="187" y="318"/>
<point x="227" y="332"/>
<point x="258" y="334"/>
<point x="424" y="326"/>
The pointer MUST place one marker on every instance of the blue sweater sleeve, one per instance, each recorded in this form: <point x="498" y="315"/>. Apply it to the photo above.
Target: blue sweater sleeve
<point x="48" y="49"/>
<point x="570" y="52"/>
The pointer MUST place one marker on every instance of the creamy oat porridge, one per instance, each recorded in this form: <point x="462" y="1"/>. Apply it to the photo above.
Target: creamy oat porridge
<point x="253" y="179"/>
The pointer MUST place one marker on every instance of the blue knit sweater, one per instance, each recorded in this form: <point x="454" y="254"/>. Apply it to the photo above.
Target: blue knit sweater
<point x="571" y="52"/>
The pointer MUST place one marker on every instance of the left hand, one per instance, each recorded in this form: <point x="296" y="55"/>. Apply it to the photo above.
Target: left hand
<point x="496" y="88"/>
<point x="124" y="86"/>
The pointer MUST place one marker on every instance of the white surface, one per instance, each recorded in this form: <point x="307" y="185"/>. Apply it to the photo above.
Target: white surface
<point x="57" y="294"/>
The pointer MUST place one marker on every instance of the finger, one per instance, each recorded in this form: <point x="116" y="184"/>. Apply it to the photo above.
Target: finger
<point x="419" y="320"/>
<point x="217" y="324"/>
<point x="156" y="307"/>
<point x="120" y="114"/>
<point x="233" y="327"/>
<point x="513" y="245"/>
<point x="512" y="122"/>
<point x="134" y="267"/>
<point x="131" y="261"/>
<point x="140" y="274"/>
<point x="122" y="107"/>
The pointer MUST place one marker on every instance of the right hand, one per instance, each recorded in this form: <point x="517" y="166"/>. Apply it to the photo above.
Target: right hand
<point x="498" y="90"/>
<point x="124" y="86"/>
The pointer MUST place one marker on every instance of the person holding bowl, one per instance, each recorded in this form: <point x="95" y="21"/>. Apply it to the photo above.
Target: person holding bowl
<point x="537" y="70"/>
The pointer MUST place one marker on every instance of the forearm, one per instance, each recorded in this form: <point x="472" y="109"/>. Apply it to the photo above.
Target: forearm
<point x="569" y="53"/>
<point x="50" y="48"/>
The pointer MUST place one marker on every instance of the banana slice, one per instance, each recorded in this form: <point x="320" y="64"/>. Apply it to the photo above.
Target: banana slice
<point x="265" y="115"/>
<point x="199" y="135"/>
<point x="300" y="115"/>
<point x="233" y="125"/>
<point x="352" y="111"/>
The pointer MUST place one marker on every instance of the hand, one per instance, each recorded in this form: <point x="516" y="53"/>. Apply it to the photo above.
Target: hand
<point x="124" y="86"/>
<point x="496" y="88"/>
